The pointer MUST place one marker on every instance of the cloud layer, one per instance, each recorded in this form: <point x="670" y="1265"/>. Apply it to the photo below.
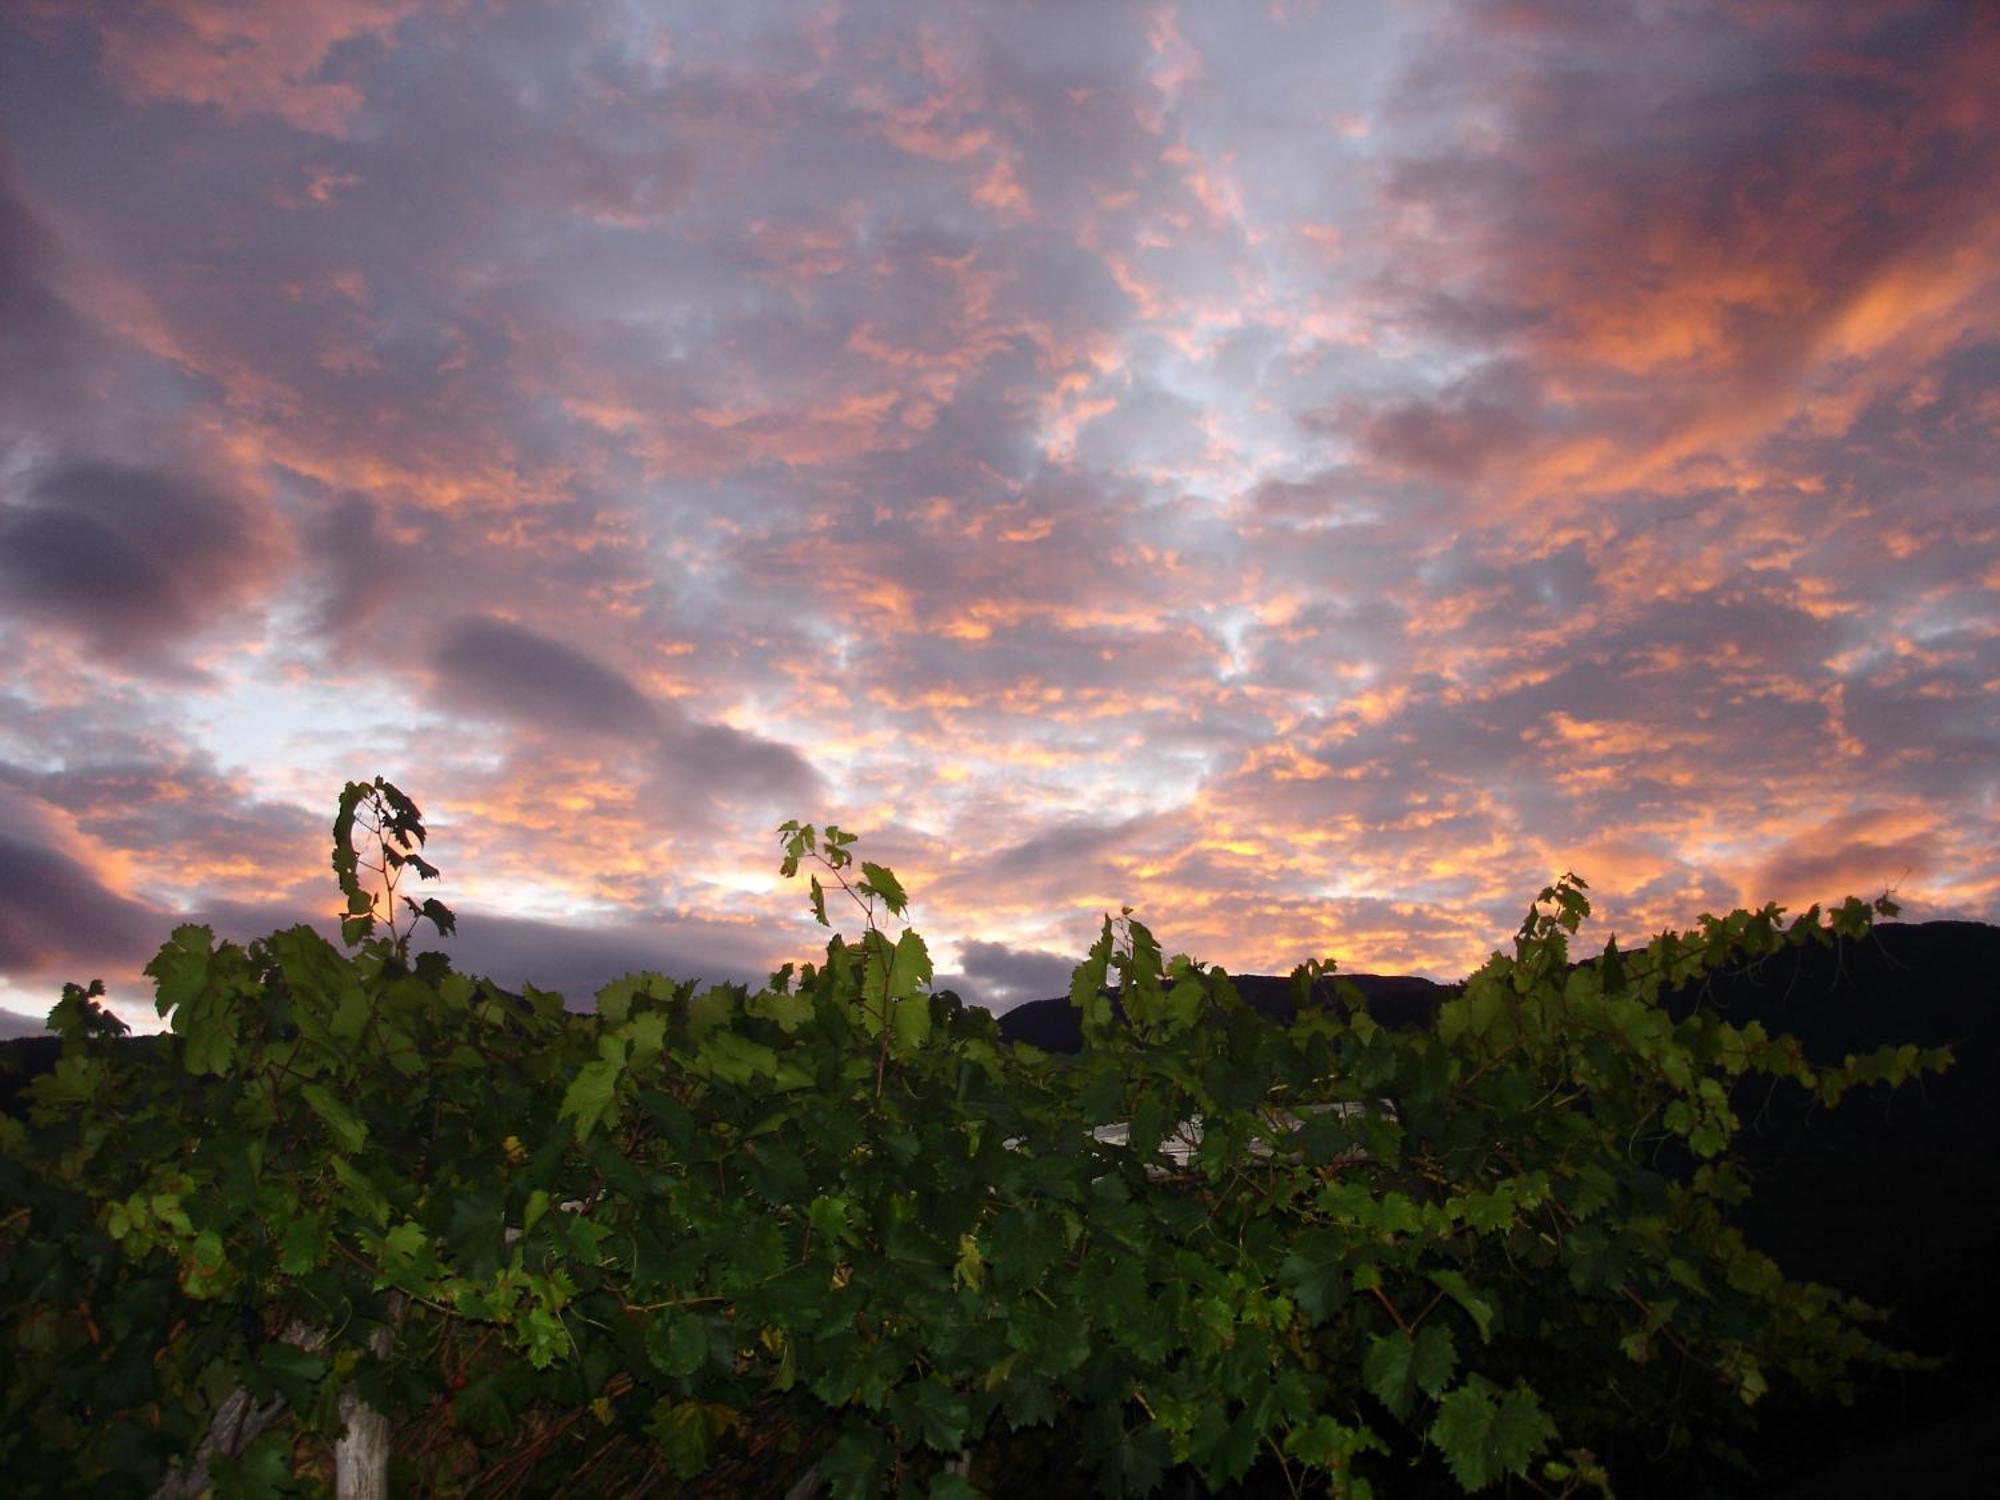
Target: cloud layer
<point x="1311" y="474"/>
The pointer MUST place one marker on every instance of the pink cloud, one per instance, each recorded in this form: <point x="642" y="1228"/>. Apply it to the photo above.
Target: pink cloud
<point x="247" y="59"/>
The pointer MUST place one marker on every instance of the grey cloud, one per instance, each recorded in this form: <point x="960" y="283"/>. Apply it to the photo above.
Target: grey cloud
<point x="133" y="559"/>
<point x="170" y="803"/>
<point x="1937" y="426"/>
<point x="1151" y="425"/>
<point x="717" y="759"/>
<point x="573" y="959"/>
<point x="53" y="911"/>
<point x="14" y="1025"/>
<point x="1061" y="848"/>
<point x="999" y="977"/>
<point x="360" y="567"/>
<point x="41" y="339"/>
<point x="577" y="960"/>
<point x="1455" y="436"/>
<point x="504" y="671"/>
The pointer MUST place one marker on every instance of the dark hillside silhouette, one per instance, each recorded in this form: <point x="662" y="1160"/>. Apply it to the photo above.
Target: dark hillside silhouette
<point x="1393" y="999"/>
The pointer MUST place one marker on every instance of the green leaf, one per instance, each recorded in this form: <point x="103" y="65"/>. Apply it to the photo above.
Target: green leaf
<point x="892" y="977"/>
<point x="302" y="1246"/>
<point x="939" y="1414"/>
<point x="349" y="1134"/>
<point x="790" y="1011"/>
<point x="834" y="1218"/>
<point x="292" y="1370"/>
<point x="408" y="1259"/>
<point x="80" y="1013"/>
<point x="435" y="911"/>
<point x="180" y="969"/>
<point x="1311" y="1272"/>
<point x="677" y="1342"/>
<point x="1474" y="1013"/>
<point x="1611" y="969"/>
<point x="205" y="1270"/>
<point x="910" y="1024"/>
<point x="1181" y="1006"/>
<point x="733" y="1058"/>
<point x="592" y="1095"/>
<point x="1397" y="1367"/>
<point x="877" y="880"/>
<point x="1433" y="1357"/>
<point x="73" y="1082"/>
<point x="1326" y="1444"/>
<point x="969" y="1269"/>
<point x="682" y="1435"/>
<point x="614" y="1000"/>
<point x="1088" y="977"/>
<point x="367" y="1195"/>
<point x="1483" y="1438"/>
<point x="1456" y="1287"/>
<point x="684" y="1431"/>
<point x="713" y="1008"/>
<point x="1385" y="1370"/>
<point x="263" y="1471"/>
<point x="647" y="1037"/>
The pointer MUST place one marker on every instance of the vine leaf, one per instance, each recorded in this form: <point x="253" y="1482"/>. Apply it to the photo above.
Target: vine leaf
<point x="349" y="1134"/>
<point x="877" y="880"/>
<point x="592" y="1094"/>
<point x="1398" y="1366"/>
<point x="1484" y="1433"/>
<point x="1454" y="1285"/>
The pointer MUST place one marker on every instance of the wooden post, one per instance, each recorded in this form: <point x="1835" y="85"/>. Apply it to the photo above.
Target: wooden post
<point x="361" y="1455"/>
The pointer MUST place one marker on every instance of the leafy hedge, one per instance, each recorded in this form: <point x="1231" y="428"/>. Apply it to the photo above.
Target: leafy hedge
<point x="717" y="1238"/>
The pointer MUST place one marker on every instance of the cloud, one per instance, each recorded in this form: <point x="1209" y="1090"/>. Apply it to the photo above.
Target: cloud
<point x="14" y="1024"/>
<point x="999" y="977"/>
<point x="501" y="670"/>
<point x="1063" y="847"/>
<point x="42" y="340"/>
<point x="196" y="829"/>
<point x="1456" y="435"/>
<point x="1863" y="852"/>
<point x="1677" y="226"/>
<point x="246" y="61"/>
<point x="718" y="759"/>
<point x="53" y="911"/>
<point x="134" y="560"/>
<point x="577" y="959"/>
<point x="1311" y="472"/>
<point x="360" y="566"/>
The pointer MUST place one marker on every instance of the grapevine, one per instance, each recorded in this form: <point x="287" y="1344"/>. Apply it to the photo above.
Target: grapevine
<point x="834" y="1229"/>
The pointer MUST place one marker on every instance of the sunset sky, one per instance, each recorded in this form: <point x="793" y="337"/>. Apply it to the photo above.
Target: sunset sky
<point x="1310" y="472"/>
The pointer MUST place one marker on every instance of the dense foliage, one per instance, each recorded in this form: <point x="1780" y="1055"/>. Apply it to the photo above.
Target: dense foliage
<point x="711" y="1237"/>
